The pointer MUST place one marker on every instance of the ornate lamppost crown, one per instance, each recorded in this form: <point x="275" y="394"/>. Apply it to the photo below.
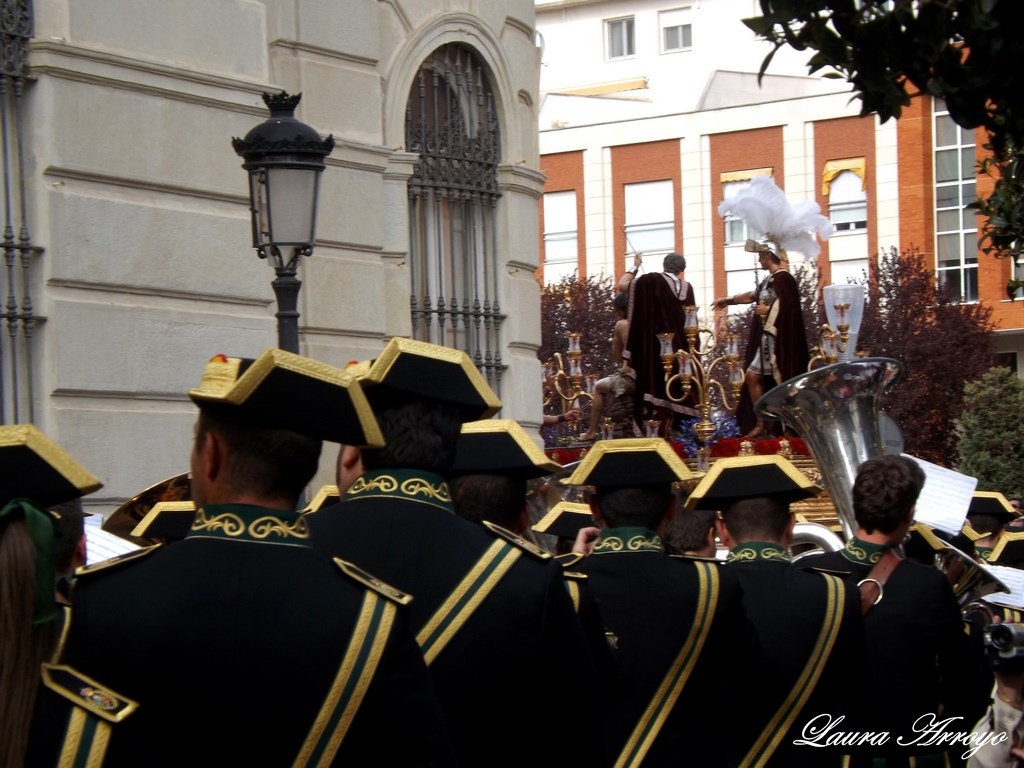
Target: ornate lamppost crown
<point x="284" y="158"/>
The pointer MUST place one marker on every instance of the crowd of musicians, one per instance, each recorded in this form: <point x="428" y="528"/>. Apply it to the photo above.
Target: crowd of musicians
<point x="417" y="623"/>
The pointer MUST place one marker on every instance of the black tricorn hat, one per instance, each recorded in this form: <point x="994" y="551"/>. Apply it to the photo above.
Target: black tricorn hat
<point x="415" y="370"/>
<point x="994" y="504"/>
<point x="166" y="521"/>
<point x="629" y="462"/>
<point x="38" y="469"/>
<point x="500" y="447"/>
<point x="745" y="477"/>
<point x="1009" y="549"/>
<point x="292" y="392"/>
<point x="565" y="520"/>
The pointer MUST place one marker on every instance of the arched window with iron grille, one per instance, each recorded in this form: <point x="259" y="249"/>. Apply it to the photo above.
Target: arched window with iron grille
<point x="453" y="193"/>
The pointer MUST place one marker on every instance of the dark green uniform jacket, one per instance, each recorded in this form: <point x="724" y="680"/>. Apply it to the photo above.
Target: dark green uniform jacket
<point x="812" y="657"/>
<point x="231" y="641"/>
<point x="654" y="604"/>
<point x="499" y="677"/>
<point x="921" y="662"/>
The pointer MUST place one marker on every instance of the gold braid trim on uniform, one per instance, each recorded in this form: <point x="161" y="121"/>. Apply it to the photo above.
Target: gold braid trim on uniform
<point x="745" y="554"/>
<point x="385" y="483"/>
<point x="465" y="598"/>
<point x="87" y="732"/>
<point x="611" y="544"/>
<point x="406" y="484"/>
<point x="574" y="594"/>
<point x="417" y="486"/>
<point x="362" y="656"/>
<point x="665" y="698"/>
<point x="775" y="730"/>
<point x="628" y="540"/>
<point x="855" y="551"/>
<point x="234" y="525"/>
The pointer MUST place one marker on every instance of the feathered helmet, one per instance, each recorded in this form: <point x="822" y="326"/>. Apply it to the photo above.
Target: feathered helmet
<point x="763" y="206"/>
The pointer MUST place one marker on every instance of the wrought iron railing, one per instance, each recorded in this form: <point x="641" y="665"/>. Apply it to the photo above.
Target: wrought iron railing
<point x="19" y="254"/>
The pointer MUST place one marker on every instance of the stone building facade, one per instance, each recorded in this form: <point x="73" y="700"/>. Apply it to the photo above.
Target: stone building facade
<point x="129" y="259"/>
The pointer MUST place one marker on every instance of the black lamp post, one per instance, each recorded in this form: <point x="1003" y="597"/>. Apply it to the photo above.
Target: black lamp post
<point x="284" y="158"/>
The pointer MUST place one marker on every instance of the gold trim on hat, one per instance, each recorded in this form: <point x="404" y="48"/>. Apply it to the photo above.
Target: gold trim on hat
<point x="219" y="376"/>
<point x="1000" y="497"/>
<point x="656" y="445"/>
<point x="571" y="507"/>
<point x="157" y="510"/>
<point x="514" y="430"/>
<point x="970" y="533"/>
<point x="30" y="437"/>
<point x="278" y="359"/>
<point x="399" y="346"/>
<point x="1006" y="538"/>
<point x="927" y="533"/>
<point x="721" y="465"/>
<point x="320" y="499"/>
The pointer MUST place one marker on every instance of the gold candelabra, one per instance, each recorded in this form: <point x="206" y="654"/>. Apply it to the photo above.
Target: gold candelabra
<point x="827" y="351"/>
<point x="571" y="387"/>
<point x="696" y="362"/>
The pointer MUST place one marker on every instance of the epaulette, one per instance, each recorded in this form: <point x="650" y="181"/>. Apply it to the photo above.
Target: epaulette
<point x="86" y="693"/>
<point x="517" y="541"/>
<point x="574" y="576"/>
<point x="698" y="558"/>
<point x="826" y="571"/>
<point x="114" y="562"/>
<point x="569" y="559"/>
<point x="367" y="580"/>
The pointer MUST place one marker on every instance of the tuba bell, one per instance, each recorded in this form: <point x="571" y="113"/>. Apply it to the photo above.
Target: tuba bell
<point x="835" y="410"/>
<point x="811" y="538"/>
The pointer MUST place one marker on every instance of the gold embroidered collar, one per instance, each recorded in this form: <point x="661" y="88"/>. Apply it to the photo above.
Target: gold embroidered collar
<point x="411" y="484"/>
<point x="985" y="553"/>
<point x="628" y="540"/>
<point x="864" y="552"/>
<point x="245" y="522"/>
<point x="758" y="551"/>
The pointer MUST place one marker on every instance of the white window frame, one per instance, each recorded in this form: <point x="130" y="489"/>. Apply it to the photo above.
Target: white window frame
<point x="730" y="189"/>
<point x="673" y="19"/>
<point x="561" y="235"/>
<point x="956" y="229"/>
<point x="623" y="28"/>
<point x="650" y="222"/>
<point x="848" y="202"/>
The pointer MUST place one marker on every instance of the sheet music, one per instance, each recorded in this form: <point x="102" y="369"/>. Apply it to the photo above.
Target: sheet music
<point x="1012" y="578"/>
<point x="945" y="497"/>
<point x="102" y="545"/>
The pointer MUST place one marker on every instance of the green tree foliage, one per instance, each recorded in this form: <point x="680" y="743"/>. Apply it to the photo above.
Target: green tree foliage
<point x="578" y="304"/>
<point x="967" y="52"/>
<point x="990" y="438"/>
<point x="942" y="344"/>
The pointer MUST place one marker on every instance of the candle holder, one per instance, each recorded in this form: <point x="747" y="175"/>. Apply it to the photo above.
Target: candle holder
<point x="844" y="309"/>
<point x="572" y="388"/>
<point x="695" y="366"/>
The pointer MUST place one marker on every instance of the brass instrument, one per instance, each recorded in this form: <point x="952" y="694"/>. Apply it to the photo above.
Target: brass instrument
<point x="835" y="410"/>
<point x="813" y="538"/>
<point x="123" y="520"/>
